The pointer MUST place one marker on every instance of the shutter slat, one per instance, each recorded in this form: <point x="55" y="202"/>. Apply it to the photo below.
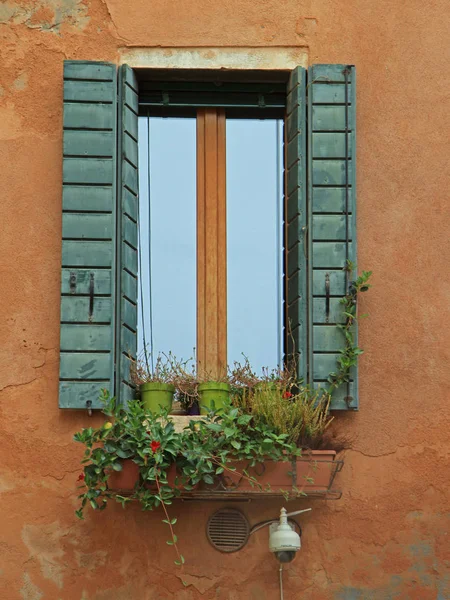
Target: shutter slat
<point x="88" y="170"/>
<point x="130" y="204"/>
<point x="129" y="286"/>
<point x="91" y="91"/>
<point x="82" y="278"/>
<point x="129" y="314"/>
<point x="327" y="338"/>
<point x="88" y="198"/>
<point x="329" y="227"/>
<point x="324" y="364"/>
<point x="87" y="253"/>
<point x="130" y="177"/>
<point x="330" y="200"/>
<point x="75" y="309"/>
<point x="129" y="231"/>
<point x="329" y="93"/>
<point x="331" y="180"/>
<point x="331" y="145"/>
<point x="81" y="338"/>
<point x="80" y="225"/>
<point x="89" y="116"/>
<point x="336" y="279"/>
<point x="82" y="366"/>
<point x="339" y="395"/>
<point x="88" y="143"/>
<point x="329" y="255"/>
<point x="335" y="314"/>
<point x="88" y="231"/>
<point x="89" y="70"/>
<point x="75" y="394"/>
<point x="329" y="172"/>
<point x="326" y="74"/>
<point x="127" y="235"/>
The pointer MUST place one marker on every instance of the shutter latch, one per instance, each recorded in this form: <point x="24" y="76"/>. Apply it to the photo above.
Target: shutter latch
<point x="91" y="297"/>
<point x="327" y="297"/>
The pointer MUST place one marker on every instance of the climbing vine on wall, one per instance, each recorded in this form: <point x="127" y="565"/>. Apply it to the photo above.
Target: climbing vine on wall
<point x="349" y="354"/>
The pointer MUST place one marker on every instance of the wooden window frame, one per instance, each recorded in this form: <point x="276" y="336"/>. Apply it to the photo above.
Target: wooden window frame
<point x="211" y="259"/>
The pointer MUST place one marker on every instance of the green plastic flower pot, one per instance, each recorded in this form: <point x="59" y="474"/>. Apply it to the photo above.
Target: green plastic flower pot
<point x="213" y="392"/>
<point x="155" y="395"/>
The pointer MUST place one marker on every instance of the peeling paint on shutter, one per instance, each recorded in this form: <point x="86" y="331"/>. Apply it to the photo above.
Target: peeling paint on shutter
<point x="88" y="233"/>
<point x="331" y="195"/>
<point x="127" y="234"/>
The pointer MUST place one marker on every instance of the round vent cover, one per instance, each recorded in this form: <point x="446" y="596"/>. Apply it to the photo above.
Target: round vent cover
<point x="228" y="530"/>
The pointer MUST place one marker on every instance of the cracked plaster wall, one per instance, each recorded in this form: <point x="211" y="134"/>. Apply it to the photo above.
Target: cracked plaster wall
<point x="388" y="537"/>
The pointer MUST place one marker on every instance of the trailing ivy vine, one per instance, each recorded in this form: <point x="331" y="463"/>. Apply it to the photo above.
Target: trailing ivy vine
<point x="349" y="354"/>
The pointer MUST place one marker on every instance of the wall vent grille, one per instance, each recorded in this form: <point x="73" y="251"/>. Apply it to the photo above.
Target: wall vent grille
<point x="228" y="530"/>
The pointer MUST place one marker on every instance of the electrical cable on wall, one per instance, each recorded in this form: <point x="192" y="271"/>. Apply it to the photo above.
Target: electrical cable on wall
<point x="281" y="582"/>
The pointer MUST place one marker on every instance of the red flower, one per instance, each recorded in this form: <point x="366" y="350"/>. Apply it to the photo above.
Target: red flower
<point x="155" y="446"/>
<point x="287" y="395"/>
<point x="80" y="477"/>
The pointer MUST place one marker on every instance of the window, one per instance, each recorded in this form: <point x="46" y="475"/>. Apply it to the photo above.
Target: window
<point x="99" y="290"/>
<point x="212" y="176"/>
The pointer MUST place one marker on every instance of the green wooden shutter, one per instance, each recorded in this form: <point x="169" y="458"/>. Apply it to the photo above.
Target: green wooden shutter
<point x="296" y="321"/>
<point x="331" y="195"/>
<point x="127" y="234"/>
<point x="88" y="232"/>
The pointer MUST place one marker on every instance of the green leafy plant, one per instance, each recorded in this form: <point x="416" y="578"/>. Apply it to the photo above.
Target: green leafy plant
<point x="200" y="453"/>
<point x="349" y="354"/>
<point x="271" y="417"/>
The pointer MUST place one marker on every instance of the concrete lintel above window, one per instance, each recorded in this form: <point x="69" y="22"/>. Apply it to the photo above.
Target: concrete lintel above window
<point x="258" y="58"/>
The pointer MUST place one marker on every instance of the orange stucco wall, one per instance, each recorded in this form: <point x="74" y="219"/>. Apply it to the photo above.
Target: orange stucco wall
<point x="389" y="535"/>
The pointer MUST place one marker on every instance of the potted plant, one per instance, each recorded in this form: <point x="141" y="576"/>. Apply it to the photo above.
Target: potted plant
<point x="155" y="382"/>
<point x="303" y="417"/>
<point x="199" y="394"/>
<point x="163" y="462"/>
<point x="185" y="380"/>
<point x="213" y="395"/>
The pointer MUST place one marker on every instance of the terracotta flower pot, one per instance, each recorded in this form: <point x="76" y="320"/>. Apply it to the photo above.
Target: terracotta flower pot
<point x="318" y="466"/>
<point x="310" y="473"/>
<point x="125" y="479"/>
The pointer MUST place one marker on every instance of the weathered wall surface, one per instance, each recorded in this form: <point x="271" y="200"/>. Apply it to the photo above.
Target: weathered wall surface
<point x="389" y="535"/>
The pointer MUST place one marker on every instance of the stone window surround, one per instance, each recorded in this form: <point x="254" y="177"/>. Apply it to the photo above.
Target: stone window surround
<point x="274" y="58"/>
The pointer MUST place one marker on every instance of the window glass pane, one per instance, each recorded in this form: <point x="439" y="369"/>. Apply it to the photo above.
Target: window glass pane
<point x="167" y="312"/>
<point x="254" y="241"/>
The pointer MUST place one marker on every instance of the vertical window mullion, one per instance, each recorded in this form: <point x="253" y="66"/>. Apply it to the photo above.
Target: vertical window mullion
<point x="211" y="243"/>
